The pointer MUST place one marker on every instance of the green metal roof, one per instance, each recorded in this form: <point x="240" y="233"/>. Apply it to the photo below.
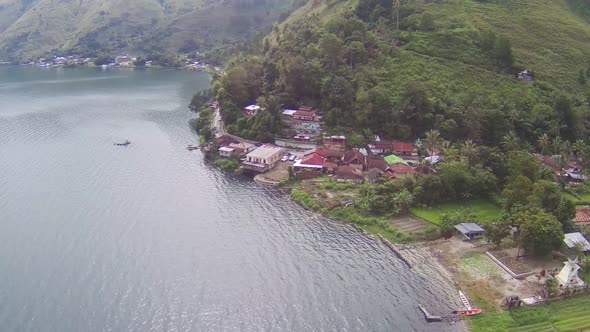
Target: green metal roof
<point x="393" y="159"/>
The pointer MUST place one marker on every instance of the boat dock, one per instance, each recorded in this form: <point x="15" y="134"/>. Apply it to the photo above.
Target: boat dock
<point x="428" y="316"/>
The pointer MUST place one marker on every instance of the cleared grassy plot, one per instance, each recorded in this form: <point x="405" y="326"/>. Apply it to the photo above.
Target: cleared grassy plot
<point x="539" y="327"/>
<point x="485" y="210"/>
<point x="562" y="316"/>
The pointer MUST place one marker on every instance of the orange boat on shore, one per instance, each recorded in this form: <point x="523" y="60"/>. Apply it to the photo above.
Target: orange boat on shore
<point x="467" y="312"/>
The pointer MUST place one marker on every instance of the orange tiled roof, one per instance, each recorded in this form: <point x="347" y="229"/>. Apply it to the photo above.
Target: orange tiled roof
<point x="582" y="216"/>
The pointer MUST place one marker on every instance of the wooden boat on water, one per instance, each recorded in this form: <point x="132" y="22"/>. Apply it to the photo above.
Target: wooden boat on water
<point x="191" y="147"/>
<point x="127" y="142"/>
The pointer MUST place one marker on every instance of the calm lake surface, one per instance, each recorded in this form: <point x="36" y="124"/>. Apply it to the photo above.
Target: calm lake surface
<point x="95" y="237"/>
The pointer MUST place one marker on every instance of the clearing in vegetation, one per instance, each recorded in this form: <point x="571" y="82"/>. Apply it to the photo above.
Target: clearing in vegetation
<point x="567" y="315"/>
<point x="484" y="210"/>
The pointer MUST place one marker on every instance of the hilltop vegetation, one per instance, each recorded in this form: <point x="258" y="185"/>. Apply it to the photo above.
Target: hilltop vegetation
<point x="32" y="28"/>
<point x="448" y="65"/>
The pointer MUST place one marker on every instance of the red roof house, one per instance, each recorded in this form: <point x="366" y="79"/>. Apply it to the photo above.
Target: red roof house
<point x="582" y="216"/>
<point x="355" y="159"/>
<point x="403" y="148"/>
<point x="398" y="170"/>
<point x="306" y="108"/>
<point x="348" y="174"/>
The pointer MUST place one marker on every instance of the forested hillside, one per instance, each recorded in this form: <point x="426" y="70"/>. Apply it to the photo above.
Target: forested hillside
<point x="400" y="70"/>
<point x="32" y="28"/>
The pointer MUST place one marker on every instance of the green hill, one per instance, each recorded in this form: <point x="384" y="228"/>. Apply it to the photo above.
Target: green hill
<point x="448" y="65"/>
<point x="31" y="28"/>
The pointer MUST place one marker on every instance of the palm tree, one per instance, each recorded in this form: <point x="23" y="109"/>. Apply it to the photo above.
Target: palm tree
<point x="556" y="145"/>
<point x="566" y="149"/>
<point x="544" y="143"/>
<point x="579" y="147"/>
<point x="403" y="200"/>
<point x="510" y="142"/>
<point x="469" y="150"/>
<point x="432" y="142"/>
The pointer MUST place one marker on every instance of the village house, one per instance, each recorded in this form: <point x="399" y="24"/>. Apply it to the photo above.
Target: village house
<point x="376" y="161"/>
<point x="470" y="231"/>
<point x="380" y="147"/>
<point x="335" y="142"/>
<point x="263" y="158"/>
<point x="355" y="159"/>
<point x="310" y="166"/>
<point x="288" y="114"/>
<point x="333" y="158"/>
<point x="576" y="242"/>
<point x="304" y="115"/>
<point x="123" y="60"/>
<point x="251" y="110"/>
<point x="404" y="149"/>
<point x="225" y="152"/>
<point x="582" y="217"/>
<point x="348" y="174"/>
<point x="397" y="170"/>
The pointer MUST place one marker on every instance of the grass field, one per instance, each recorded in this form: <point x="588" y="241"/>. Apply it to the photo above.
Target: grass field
<point x="562" y="316"/>
<point x="484" y="210"/>
<point x="580" y="199"/>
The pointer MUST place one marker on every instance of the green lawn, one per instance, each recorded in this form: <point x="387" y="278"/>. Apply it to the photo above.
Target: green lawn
<point x="579" y="198"/>
<point x="485" y="210"/>
<point x="567" y="315"/>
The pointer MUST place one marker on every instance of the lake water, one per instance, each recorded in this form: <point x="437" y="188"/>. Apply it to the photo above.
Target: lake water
<point x="96" y="237"/>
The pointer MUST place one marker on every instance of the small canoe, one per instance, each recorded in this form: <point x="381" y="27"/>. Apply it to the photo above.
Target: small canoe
<point x="467" y="312"/>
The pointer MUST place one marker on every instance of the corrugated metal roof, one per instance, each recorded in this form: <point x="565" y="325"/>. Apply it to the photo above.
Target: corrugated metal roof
<point x="574" y="239"/>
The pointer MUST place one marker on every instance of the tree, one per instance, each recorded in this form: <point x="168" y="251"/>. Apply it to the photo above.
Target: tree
<point x="469" y="150"/>
<point x="331" y="49"/>
<point x="579" y="148"/>
<point x="432" y="142"/>
<point x="497" y="230"/>
<point x="510" y="142"/>
<point x="357" y="53"/>
<point x="448" y="220"/>
<point x="503" y="52"/>
<point x="356" y="140"/>
<point x="544" y="143"/>
<point x="517" y="191"/>
<point x="540" y="233"/>
<point x="403" y="200"/>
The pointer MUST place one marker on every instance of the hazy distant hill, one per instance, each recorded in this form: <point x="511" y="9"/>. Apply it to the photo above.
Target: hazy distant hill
<point x="30" y="28"/>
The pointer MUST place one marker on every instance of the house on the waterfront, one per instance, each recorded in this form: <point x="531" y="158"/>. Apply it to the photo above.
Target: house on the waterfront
<point x="225" y="152"/>
<point x="470" y="231"/>
<point x="310" y="166"/>
<point x="241" y="147"/>
<point x="263" y="158"/>
<point x="348" y="174"/>
<point x="333" y="158"/>
<point x="123" y="60"/>
<point x="251" y="110"/>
